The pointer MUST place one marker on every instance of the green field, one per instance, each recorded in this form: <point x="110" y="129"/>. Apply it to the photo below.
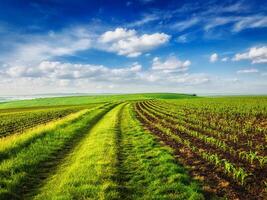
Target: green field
<point x="136" y="146"/>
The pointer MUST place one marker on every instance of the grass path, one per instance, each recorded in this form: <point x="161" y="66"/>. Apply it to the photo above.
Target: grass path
<point x="89" y="172"/>
<point x="21" y="173"/>
<point x="119" y="160"/>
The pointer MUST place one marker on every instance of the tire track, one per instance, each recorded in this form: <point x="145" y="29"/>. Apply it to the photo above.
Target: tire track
<point x="121" y="176"/>
<point x="40" y="173"/>
<point x="90" y="170"/>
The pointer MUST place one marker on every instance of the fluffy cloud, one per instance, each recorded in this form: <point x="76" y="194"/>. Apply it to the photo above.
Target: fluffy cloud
<point x="70" y="71"/>
<point x="128" y="43"/>
<point x="255" y="54"/>
<point x="118" y="34"/>
<point x="59" y="76"/>
<point x="214" y="57"/>
<point x="247" y="71"/>
<point x="58" y="70"/>
<point x="34" y="49"/>
<point x="171" y="64"/>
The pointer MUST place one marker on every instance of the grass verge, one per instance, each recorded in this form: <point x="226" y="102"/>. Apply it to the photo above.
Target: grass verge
<point x="149" y="169"/>
<point x="89" y="172"/>
<point x="25" y="169"/>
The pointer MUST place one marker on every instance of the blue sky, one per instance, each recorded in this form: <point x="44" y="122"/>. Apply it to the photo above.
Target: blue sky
<point x="204" y="47"/>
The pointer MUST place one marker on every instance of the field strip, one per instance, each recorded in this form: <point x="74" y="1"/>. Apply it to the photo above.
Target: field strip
<point x="13" y="142"/>
<point x="147" y="169"/>
<point x="20" y="174"/>
<point x="10" y="140"/>
<point x="90" y="171"/>
<point x="203" y="136"/>
<point x="219" y="152"/>
<point x="202" y="157"/>
<point x="230" y="129"/>
<point x="16" y="123"/>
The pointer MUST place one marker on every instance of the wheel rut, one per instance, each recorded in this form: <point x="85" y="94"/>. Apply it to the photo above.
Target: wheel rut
<point x="44" y="170"/>
<point x="121" y="176"/>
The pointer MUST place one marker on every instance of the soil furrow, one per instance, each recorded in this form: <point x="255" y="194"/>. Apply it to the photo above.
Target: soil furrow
<point x="202" y="168"/>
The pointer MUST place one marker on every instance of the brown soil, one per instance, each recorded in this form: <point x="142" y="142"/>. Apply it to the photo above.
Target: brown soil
<point x="213" y="179"/>
<point x="255" y="138"/>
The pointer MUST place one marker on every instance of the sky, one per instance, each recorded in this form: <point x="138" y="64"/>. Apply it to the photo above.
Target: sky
<point x="132" y="46"/>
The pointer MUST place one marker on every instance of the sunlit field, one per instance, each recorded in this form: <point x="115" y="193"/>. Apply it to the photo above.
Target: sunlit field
<point x="144" y="146"/>
<point x="133" y="100"/>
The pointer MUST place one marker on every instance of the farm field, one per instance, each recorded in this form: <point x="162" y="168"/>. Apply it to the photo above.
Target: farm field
<point x="138" y="146"/>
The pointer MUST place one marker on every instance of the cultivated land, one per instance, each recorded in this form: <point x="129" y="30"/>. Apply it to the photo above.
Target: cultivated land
<point x="138" y="146"/>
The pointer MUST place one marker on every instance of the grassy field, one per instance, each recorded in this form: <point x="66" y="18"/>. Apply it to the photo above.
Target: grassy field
<point x="81" y="100"/>
<point x="138" y="146"/>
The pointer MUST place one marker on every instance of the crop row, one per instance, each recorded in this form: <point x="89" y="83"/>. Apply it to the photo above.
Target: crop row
<point x="208" y="148"/>
<point x="214" y="138"/>
<point x="18" y="122"/>
<point x="240" y="116"/>
<point x="227" y="133"/>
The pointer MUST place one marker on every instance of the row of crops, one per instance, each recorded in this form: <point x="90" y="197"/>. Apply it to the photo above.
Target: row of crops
<point x="16" y="122"/>
<point x="224" y="143"/>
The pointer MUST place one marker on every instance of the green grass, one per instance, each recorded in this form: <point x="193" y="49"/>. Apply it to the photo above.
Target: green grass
<point x="119" y="160"/>
<point x="149" y="169"/>
<point x="14" y="142"/>
<point x="104" y="152"/>
<point x="79" y="100"/>
<point x="88" y="173"/>
<point x="22" y="166"/>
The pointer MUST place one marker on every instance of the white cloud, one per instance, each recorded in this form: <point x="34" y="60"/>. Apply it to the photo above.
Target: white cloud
<point x="192" y="79"/>
<point x="182" y="38"/>
<point x="256" y="21"/>
<point x="116" y="35"/>
<point x="146" y="19"/>
<point x="171" y="64"/>
<point x="255" y="54"/>
<point x="58" y="77"/>
<point x="224" y="59"/>
<point x="232" y="8"/>
<point x="214" y="57"/>
<point x="53" y="76"/>
<point x="247" y="71"/>
<point x="214" y="17"/>
<point x="237" y="23"/>
<point x="128" y="43"/>
<point x="68" y="71"/>
<point x="32" y="49"/>
<point x="188" y="23"/>
<point x="218" y="21"/>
